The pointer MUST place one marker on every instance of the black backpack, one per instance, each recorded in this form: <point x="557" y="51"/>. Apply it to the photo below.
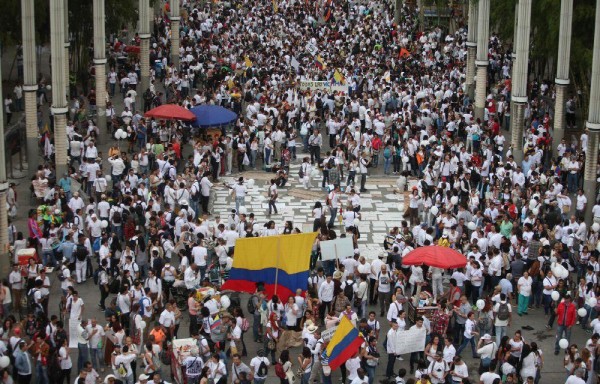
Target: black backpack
<point x="263" y="369"/>
<point x="117" y="217"/>
<point x="81" y="252"/>
<point x="349" y="291"/>
<point x="250" y="306"/>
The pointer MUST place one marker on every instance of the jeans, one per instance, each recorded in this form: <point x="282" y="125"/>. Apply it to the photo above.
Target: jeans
<point x="500" y="333"/>
<point x="83" y="355"/>
<point x="239" y="201"/>
<point x="387" y="162"/>
<point x="384" y="301"/>
<point x="584" y="319"/>
<point x="363" y="181"/>
<point x="272" y="206"/>
<point x="572" y="182"/>
<point x="202" y="271"/>
<point x="370" y="373"/>
<point x="267" y="162"/>
<point x="41" y="373"/>
<point x="351" y="178"/>
<point x="48" y="258"/>
<point x="464" y="344"/>
<point x="256" y="326"/>
<point x="333" y="214"/>
<point x="560" y="331"/>
<point x="253" y="154"/>
<point x="96" y="357"/>
<point x="547" y="300"/>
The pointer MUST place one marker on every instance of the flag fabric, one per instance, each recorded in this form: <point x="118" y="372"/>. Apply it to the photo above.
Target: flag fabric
<point x="343" y="345"/>
<point x="338" y="77"/>
<point x="283" y="260"/>
<point x="328" y="10"/>
<point x="247" y="61"/>
<point x="319" y="62"/>
<point x="403" y="53"/>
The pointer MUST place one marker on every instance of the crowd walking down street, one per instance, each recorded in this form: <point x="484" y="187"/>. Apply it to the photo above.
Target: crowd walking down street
<point x="350" y="124"/>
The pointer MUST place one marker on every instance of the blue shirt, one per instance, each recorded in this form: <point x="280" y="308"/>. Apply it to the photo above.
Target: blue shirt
<point x="65" y="184"/>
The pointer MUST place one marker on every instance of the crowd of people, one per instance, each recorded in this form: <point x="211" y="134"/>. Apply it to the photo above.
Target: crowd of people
<point x="138" y="221"/>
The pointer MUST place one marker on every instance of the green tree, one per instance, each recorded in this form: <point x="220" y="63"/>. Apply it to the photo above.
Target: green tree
<point x="545" y="26"/>
<point x="119" y="13"/>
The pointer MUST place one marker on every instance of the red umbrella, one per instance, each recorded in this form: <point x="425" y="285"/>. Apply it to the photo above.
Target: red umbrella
<point x="171" y="112"/>
<point x="435" y="256"/>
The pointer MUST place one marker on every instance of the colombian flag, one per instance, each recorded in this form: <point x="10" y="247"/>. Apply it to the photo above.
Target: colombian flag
<point x="320" y="63"/>
<point x="338" y="77"/>
<point x="282" y="260"/>
<point x="328" y="10"/>
<point x="343" y="345"/>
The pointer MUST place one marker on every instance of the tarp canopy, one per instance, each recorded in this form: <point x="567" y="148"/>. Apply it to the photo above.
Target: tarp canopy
<point x="212" y="116"/>
<point x="170" y="112"/>
<point x="435" y="256"/>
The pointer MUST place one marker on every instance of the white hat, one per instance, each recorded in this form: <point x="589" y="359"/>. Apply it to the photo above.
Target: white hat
<point x="486" y="337"/>
<point x="143" y="376"/>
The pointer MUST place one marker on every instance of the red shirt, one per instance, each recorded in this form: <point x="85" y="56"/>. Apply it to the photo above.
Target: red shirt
<point x="567" y="319"/>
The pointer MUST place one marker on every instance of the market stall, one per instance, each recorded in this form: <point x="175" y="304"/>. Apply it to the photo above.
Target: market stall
<point x="433" y="256"/>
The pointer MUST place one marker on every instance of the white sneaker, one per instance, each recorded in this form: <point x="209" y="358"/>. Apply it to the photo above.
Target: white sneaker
<point x="399" y="358"/>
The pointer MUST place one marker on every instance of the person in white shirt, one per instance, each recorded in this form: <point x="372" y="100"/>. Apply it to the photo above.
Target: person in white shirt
<point x="325" y="295"/>
<point x="75" y="306"/>
<point x="96" y="333"/>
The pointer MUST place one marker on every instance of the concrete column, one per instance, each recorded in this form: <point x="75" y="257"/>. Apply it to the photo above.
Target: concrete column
<point x="520" y="75"/>
<point x="562" y="70"/>
<point x="175" y="32"/>
<point x="593" y="125"/>
<point x="471" y="49"/>
<point x="59" y="107"/>
<point x="483" y="37"/>
<point x="67" y="46"/>
<point x="30" y="83"/>
<point x="144" y="32"/>
<point x="100" y="65"/>
<point x="397" y="11"/>
<point x="5" y="261"/>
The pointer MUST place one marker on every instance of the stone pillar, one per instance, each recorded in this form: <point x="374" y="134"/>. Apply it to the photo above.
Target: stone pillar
<point x="397" y="11"/>
<point x="144" y="32"/>
<point x="175" y="32"/>
<point x="471" y="49"/>
<point x="59" y="100"/>
<point x="100" y="65"/>
<point x="562" y="70"/>
<point x="593" y="125"/>
<point x="67" y="46"/>
<point x="30" y="83"/>
<point x="520" y="76"/>
<point x="483" y="37"/>
<point x="5" y="260"/>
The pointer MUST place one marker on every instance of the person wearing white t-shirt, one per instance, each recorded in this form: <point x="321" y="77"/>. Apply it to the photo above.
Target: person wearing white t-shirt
<point x="549" y="283"/>
<point x="75" y="306"/>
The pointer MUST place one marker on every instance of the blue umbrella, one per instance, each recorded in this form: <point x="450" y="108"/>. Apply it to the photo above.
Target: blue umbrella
<point x="212" y="116"/>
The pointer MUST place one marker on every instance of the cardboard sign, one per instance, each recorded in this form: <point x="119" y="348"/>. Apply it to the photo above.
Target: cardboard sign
<point x="412" y="340"/>
<point x="328" y="333"/>
<point x="337" y="249"/>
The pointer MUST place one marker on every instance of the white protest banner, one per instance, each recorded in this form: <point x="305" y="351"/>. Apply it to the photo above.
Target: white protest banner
<point x="337" y="249"/>
<point x="322" y="85"/>
<point x="328" y="333"/>
<point x="311" y="48"/>
<point x="409" y="341"/>
<point x="73" y="330"/>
